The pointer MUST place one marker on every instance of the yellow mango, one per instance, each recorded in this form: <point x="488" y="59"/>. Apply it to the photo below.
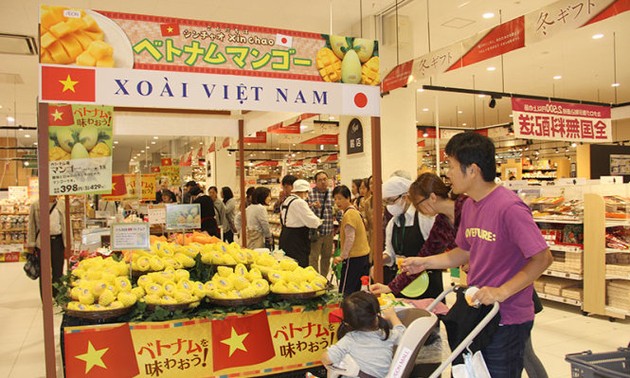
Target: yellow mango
<point x="48" y="19"/>
<point x="47" y="40"/>
<point x="75" y="24"/>
<point x="95" y="35"/>
<point x="83" y="39"/>
<point x="105" y="62"/>
<point x="85" y="59"/>
<point x="72" y="46"/>
<point x="60" y="29"/>
<point x="58" y="54"/>
<point x="100" y="49"/>
<point x="370" y="71"/>
<point x="328" y="65"/>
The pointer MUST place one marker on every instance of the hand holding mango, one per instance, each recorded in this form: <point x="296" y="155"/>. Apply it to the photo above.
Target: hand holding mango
<point x="349" y="60"/>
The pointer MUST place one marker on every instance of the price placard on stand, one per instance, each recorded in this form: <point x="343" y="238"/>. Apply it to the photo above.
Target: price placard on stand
<point x="130" y="236"/>
<point x="157" y="214"/>
<point x="18" y="192"/>
<point x="180" y="217"/>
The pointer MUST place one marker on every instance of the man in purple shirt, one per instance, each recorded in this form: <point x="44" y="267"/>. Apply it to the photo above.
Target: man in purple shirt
<point x="500" y="241"/>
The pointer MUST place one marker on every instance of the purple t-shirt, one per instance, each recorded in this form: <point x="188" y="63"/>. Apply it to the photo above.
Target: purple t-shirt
<point x="501" y="235"/>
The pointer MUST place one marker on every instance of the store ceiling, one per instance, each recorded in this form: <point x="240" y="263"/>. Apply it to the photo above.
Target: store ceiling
<point x="586" y="65"/>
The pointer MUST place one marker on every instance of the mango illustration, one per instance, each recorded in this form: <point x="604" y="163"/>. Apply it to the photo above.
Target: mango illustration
<point x="328" y="65"/>
<point x="57" y="153"/>
<point x="79" y="152"/>
<point x="370" y="72"/>
<point x="89" y="136"/>
<point x="364" y="48"/>
<point x="100" y="150"/>
<point x="339" y="45"/>
<point x="351" y="68"/>
<point x="65" y="137"/>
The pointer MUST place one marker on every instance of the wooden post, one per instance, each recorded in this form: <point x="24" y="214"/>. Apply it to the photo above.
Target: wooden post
<point x="377" y="201"/>
<point x="241" y="168"/>
<point x="67" y="250"/>
<point x="44" y="234"/>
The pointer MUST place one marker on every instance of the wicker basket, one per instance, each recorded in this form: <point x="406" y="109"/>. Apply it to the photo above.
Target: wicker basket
<point x="98" y="315"/>
<point x="173" y="307"/>
<point x="298" y="296"/>
<point x="236" y="302"/>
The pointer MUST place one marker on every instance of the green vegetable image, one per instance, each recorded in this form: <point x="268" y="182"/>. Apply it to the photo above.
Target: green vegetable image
<point x="351" y="68"/>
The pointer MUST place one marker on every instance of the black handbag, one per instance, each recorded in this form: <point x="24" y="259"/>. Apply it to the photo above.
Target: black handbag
<point x="32" y="266"/>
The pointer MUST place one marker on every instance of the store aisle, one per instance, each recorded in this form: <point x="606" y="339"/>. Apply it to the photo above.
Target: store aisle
<point x="559" y="329"/>
<point x="21" y="327"/>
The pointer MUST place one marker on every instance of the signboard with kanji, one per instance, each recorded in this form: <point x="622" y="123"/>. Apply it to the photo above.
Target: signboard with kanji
<point x="551" y="120"/>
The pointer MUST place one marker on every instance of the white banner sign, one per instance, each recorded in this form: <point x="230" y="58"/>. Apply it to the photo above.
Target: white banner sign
<point x="182" y="90"/>
<point x="157" y="214"/>
<point x="538" y="119"/>
<point x="18" y="192"/>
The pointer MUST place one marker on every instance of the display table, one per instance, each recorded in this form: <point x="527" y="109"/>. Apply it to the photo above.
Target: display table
<point x="256" y="343"/>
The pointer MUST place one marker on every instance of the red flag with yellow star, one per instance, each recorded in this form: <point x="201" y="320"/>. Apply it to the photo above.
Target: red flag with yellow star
<point x="119" y="188"/>
<point x="60" y="115"/>
<point x="100" y="353"/>
<point x="241" y="341"/>
<point x="169" y="29"/>
<point x="68" y="84"/>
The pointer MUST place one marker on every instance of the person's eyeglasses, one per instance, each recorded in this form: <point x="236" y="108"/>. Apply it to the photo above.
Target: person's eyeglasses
<point x="420" y="202"/>
<point x="391" y="201"/>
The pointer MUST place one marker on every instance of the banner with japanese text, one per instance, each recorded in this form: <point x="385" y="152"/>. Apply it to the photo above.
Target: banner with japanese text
<point x="124" y="187"/>
<point x="80" y="148"/>
<point x="150" y="61"/>
<point x="258" y="343"/>
<point x="538" y="119"/>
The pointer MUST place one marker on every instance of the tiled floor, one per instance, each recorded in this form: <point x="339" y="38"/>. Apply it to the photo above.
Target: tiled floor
<point x="559" y="329"/>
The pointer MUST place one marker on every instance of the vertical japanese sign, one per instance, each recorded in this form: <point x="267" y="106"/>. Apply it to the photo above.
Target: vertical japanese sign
<point x="538" y="119"/>
<point x="354" y="138"/>
<point x="80" y="155"/>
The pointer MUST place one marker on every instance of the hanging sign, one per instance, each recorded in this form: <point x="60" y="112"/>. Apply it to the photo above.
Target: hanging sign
<point x="260" y="137"/>
<point x="130" y="236"/>
<point x="354" y="138"/>
<point x="124" y="187"/>
<point x="80" y="152"/>
<point x="279" y="128"/>
<point x="157" y="214"/>
<point x="186" y="216"/>
<point x="134" y="60"/>
<point x="328" y="139"/>
<point x="538" y="119"/>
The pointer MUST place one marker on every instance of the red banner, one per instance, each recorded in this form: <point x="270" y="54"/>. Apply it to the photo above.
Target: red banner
<point x="398" y="77"/>
<point x="539" y="119"/>
<point x="212" y="148"/>
<point x="260" y="137"/>
<point x="118" y="187"/>
<point x="323" y="139"/>
<point x="268" y="163"/>
<point x="429" y="131"/>
<point x="226" y="142"/>
<point x="499" y="40"/>
<point x="278" y="128"/>
<point x="164" y="162"/>
<point x="331" y="158"/>
<point x="155" y="169"/>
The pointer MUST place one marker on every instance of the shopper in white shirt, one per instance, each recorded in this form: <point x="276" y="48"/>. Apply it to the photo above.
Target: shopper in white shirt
<point x="258" y="231"/>
<point x="296" y="218"/>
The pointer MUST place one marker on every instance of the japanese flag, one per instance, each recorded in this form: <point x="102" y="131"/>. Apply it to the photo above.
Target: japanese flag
<point x="361" y="100"/>
<point x="284" y="40"/>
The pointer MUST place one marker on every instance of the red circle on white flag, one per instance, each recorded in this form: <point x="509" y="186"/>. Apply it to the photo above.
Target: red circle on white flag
<point x="284" y="40"/>
<point x="360" y="100"/>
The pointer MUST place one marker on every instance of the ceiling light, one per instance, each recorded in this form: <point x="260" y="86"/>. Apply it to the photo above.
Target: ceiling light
<point x="557" y="77"/>
<point x="331" y="118"/>
<point x="487" y="15"/>
<point x="27" y="135"/>
<point x="573" y="144"/>
<point x="277" y="148"/>
<point x="201" y="143"/>
<point x="0" y="106"/>
<point x="491" y="68"/>
<point x="155" y="137"/>
<point x="115" y="142"/>
<point x="482" y="95"/>
<point x="34" y="143"/>
<point x="141" y="151"/>
<point x="510" y="115"/>
<point x="615" y="85"/>
<point x="148" y="147"/>
<point x="425" y="109"/>
<point x="598" y="36"/>
<point x="460" y="112"/>
<point x="321" y="147"/>
<point x="420" y="89"/>
<point x="425" y="134"/>
<point x="10" y="119"/>
<point x="151" y="142"/>
<point x="464" y="124"/>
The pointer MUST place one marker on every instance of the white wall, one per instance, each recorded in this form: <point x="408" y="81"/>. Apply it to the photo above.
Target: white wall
<point x="224" y="170"/>
<point x="398" y="132"/>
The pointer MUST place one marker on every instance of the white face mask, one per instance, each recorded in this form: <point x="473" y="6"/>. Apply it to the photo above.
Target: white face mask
<point x="396" y="209"/>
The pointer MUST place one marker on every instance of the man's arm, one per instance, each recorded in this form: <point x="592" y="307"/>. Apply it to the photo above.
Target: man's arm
<point x="454" y="257"/>
<point x="536" y="265"/>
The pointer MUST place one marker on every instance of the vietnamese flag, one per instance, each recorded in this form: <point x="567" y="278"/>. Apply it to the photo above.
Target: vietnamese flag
<point x="169" y="29"/>
<point x="101" y="353"/>
<point x="165" y="162"/>
<point x="241" y="341"/>
<point x="60" y="115"/>
<point x="68" y="84"/>
<point x="119" y="188"/>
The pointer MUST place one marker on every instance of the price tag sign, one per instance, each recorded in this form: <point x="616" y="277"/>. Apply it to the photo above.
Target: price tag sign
<point x="183" y="216"/>
<point x="18" y="192"/>
<point x="157" y="214"/>
<point x="130" y="236"/>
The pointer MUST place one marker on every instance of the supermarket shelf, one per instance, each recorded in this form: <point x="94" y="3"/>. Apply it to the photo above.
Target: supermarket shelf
<point x="539" y="177"/>
<point x="16" y="242"/>
<point x="556" y="298"/>
<point x="620" y="222"/>
<point x="539" y="169"/>
<point x="566" y="248"/>
<point x="614" y="250"/>
<point x="571" y="276"/>
<point x="613" y="311"/>
<point x="14" y="229"/>
<point x="560" y="220"/>
<point x="615" y="277"/>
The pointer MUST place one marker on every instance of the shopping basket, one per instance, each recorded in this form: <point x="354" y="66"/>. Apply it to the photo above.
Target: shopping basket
<point x="594" y="365"/>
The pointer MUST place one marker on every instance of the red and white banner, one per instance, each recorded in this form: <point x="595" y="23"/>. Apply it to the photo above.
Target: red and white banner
<point x="260" y="137"/>
<point x="430" y="132"/>
<point x="323" y="139"/>
<point x="279" y="128"/>
<point x="537" y="119"/>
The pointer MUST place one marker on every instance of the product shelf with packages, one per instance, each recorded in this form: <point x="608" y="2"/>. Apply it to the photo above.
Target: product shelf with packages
<point x="225" y="292"/>
<point x="13" y="228"/>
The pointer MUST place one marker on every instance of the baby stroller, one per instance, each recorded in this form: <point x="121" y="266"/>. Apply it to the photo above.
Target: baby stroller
<point x="420" y="324"/>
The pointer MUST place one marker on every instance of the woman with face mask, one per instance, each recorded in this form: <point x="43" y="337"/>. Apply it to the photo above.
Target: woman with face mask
<point x="432" y="197"/>
<point x="407" y="230"/>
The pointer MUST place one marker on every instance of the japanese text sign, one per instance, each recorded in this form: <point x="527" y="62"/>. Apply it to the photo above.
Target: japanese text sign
<point x="157" y="214"/>
<point x="537" y="119"/>
<point x="130" y="236"/>
<point x="109" y="58"/>
<point x="80" y="154"/>
<point x="254" y="344"/>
